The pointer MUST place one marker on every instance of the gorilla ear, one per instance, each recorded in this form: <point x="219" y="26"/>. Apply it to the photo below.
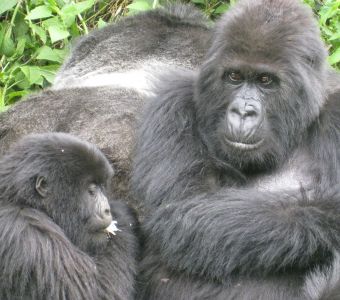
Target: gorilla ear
<point x="41" y="186"/>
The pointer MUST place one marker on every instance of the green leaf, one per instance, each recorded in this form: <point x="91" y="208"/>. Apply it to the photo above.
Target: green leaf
<point x="7" y="46"/>
<point x="70" y="11"/>
<point x="19" y="94"/>
<point x="52" y="68"/>
<point x="68" y="16"/>
<point x="221" y="8"/>
<point x="335" y="36"/>
<point x="20" y="26"/>
<point x="2" y="36"/>
<point x="32" y="74"/>
<point x="74" y="30"/>
<point x="21" y="81"/>
<point x="57" y="33"/>
<point x="40" y="12"/>
<point x="48" y="74"/>
<point x="335" y="57"/>
<point x="139" y="5"/>
<point x="6" y="5"/>
<point x="46" y="53"/>
<point x="198" y="1"/>
<point x="84" y="5"/>
<point x="328" y="12"/>
<point x="101" y="23"/>
<point x="39" y="31"/>
<point x="61" y="53"/>
<point x="52" y="21"/>
<point x="37" y="2"/>
<point x="20" y="46"/>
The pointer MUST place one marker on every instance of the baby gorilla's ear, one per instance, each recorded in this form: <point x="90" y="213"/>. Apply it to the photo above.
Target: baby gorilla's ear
<point x="41" y="186"/>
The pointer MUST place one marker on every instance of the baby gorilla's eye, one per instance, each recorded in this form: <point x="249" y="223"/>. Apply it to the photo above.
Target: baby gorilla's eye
<point x="92" y="189"/>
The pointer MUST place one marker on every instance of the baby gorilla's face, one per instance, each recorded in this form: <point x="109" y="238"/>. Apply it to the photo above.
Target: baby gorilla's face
<point x="98" y="209"/>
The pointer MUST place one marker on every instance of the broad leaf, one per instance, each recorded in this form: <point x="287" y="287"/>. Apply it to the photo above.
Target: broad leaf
<point x="46" y="53"/>
<point x="57" y="33"/>
<point x="139" y="6"/>
<point x="32" y="74"/>
<point x="40" y="12"/>
<point x="6" y="5"/>
<point x="39" y="31"/>
<point x="221" y="9"/>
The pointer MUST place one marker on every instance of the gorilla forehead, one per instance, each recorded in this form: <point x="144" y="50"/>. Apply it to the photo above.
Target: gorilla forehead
<point x="270" y="31"/>
<point x="48" y="150"/>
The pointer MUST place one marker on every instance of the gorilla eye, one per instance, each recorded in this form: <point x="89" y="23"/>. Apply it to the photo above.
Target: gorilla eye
<point x="265" y="79"/>
<point x="235" y="76"/>
<point x="92" y="189"/>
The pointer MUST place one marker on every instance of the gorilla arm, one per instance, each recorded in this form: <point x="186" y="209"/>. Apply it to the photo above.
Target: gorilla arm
<point x="38" y="253"/>
<point x="245" y="231"/>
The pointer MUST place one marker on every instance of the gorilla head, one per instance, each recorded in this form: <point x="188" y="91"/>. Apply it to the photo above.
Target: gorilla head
<point x="57" y="238"/>
<point x="67" y="179"/>
<point x="261" y="84"/>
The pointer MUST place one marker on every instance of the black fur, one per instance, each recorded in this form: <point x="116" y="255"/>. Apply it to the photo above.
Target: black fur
<point x="48" y="247"/>
<point x="228" y="223"/>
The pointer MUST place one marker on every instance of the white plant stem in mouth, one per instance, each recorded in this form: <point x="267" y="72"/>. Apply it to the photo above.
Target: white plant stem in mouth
<point x="112" y="228"/>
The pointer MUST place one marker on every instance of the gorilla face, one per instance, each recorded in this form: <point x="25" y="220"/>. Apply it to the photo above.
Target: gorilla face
<point x="68" y="179"/>
<point x="259" y="89"/>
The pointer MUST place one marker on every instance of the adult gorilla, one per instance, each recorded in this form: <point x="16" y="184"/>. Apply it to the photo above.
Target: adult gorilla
<point x="238" y="165"/>
<point x="106" y="115"/>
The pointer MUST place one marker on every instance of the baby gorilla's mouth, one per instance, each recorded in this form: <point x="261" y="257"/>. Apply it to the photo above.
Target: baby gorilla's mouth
<point x="245" y="146"/>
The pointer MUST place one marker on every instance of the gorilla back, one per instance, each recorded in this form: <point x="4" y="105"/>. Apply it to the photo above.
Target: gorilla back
<point x="175" y="35"/>
<point x="237" y="165"/>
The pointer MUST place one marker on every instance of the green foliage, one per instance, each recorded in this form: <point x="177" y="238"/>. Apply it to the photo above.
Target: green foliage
<point x="212" y="8"/>
<point x="328" y="13"/>
<point x="35" y="34"/>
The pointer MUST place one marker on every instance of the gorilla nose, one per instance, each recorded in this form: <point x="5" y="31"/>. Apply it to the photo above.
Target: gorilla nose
<point x="243" y="110"/>
<point x="243" y="118"/>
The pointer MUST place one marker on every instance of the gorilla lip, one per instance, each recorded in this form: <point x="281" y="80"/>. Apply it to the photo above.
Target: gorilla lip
<point x="245" y="146"/>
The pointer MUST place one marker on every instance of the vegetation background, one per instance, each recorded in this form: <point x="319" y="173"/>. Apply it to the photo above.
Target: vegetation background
<point x="35" y="35"/>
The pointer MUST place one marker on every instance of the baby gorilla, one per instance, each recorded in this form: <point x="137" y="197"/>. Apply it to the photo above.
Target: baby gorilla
<point x="59" y="238"/>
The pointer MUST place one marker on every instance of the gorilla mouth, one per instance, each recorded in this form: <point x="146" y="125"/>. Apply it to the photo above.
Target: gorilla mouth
<point x="245" y="146"/>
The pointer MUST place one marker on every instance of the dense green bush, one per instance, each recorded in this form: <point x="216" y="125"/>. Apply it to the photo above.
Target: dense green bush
<point x="35" y="34"/>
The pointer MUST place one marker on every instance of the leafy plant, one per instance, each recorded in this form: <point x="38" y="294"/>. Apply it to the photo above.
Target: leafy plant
<point x="212" y="8"/>
<point x="35" y="36"/>
<point x="328" y="13"/>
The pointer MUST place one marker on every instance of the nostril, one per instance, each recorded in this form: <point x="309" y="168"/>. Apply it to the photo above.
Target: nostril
<point x="251" y="113"/>
<point x="107" y="211"/>
<point x="235" y="110"/>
